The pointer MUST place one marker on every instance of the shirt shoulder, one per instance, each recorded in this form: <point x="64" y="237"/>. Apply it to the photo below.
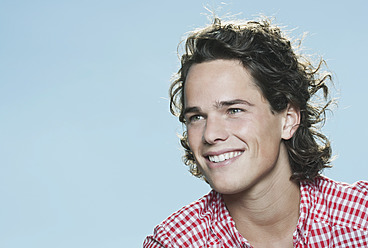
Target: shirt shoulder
<point x="188" y="226"/>
<point x="342" y="204"/>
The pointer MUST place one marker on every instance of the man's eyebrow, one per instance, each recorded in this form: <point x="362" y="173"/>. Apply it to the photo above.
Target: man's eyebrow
<point x="191" y="110"/>
<point x="232" y="102"/>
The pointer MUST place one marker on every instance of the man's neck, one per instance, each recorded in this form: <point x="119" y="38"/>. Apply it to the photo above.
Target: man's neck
<point x="267" y="215"/>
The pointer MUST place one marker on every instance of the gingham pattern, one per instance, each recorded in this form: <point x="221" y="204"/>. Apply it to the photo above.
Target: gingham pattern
<point x="332" y="214"/>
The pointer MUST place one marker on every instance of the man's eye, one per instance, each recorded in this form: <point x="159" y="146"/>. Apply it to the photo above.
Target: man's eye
<point x="235" y="111"/>
<point x="195" y="118"/>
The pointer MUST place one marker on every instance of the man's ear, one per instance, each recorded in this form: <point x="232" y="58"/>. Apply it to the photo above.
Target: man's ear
<point x="291" y="123"/>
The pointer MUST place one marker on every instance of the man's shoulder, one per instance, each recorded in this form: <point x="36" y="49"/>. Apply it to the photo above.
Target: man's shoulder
<point x="193" y="213"/>
<point x="334" y="191"/>
<point x="188" y="225"/>
<point x="340" y="203"/>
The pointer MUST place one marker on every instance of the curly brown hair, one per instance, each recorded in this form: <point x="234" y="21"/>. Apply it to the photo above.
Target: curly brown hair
<point x="283" y="76"/>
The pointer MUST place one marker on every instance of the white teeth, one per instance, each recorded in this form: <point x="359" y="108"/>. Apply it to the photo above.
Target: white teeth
<point x="227" y="155"/>
<point x="223" y="157"/>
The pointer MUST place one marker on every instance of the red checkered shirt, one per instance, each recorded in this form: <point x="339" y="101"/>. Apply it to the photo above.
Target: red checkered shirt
<point x="332" y="214"/>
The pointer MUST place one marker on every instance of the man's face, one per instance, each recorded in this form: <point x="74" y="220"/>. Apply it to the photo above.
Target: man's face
<point x="235" y="138"/>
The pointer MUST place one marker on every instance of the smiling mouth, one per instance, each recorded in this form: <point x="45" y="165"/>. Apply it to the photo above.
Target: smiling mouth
<point x="223" y="157"/>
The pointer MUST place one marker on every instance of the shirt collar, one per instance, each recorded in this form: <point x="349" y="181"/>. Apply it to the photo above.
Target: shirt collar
<point x="223" y="225"/>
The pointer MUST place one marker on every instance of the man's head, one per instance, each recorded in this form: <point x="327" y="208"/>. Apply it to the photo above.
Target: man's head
<point x="284" y="78"/>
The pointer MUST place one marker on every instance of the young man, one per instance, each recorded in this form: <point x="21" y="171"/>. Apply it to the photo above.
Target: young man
<point x="245" y="98"/>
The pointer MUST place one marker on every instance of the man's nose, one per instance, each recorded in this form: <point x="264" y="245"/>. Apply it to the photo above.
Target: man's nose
<point x="215" y="130"/>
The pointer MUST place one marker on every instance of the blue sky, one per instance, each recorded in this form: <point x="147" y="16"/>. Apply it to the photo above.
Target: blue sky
<point x="88" y="150"/>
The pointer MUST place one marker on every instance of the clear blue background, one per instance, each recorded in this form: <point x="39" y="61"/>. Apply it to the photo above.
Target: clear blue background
<point x="88" y="150"/>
